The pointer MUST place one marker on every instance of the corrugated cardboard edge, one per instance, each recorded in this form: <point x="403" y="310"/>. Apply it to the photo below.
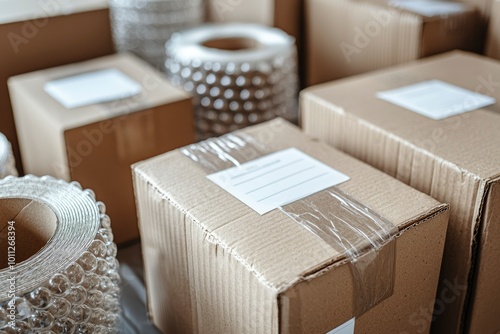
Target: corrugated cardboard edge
<point x="467" y="316"/>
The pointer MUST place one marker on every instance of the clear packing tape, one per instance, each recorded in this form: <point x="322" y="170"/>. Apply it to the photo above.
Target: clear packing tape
<point x="239" y="74"/>
<point x="58" y="267"/>
<point x="7" y="162"/>
<point x="365" y="239"/>
<point x="143" y="26"/>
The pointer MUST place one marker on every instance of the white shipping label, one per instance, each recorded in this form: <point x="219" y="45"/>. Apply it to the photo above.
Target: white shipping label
<point x="436" y="99"/>
<point x="277" y="179"/>
<point x="430" y="7"/>
<point x="345" y="328"/>
<point x="92" y="87"/>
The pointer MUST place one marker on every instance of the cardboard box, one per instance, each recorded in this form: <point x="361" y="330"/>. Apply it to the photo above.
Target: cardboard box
<point x="47" y="33"/>
<point x="214" y="265"/>
<point x="96" y="144"/>
<point x="456" y="160"/>
<point x="493" y="44"/>
<point x="348" y="37"/>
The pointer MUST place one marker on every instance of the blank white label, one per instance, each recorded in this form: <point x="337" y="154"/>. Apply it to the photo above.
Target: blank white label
<point x="277" y="179"/>
<point x="345" y="328"/>
<point x="430" y="7"/>
<point x="92" y="87"/>
<point x="436" y="99"/>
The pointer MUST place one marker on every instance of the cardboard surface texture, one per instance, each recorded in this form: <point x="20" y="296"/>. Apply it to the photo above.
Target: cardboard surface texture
<point x="493" y="44"/>
<point x="43" y="34"/>
<point x="213" y="265"/>
<point x="348" y="37"/>
<point x="455" y="160"/>
<point x="96" y="144"/>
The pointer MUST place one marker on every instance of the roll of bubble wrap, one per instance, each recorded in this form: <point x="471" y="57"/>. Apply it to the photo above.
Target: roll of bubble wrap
<point x="239" y="74"/>
<point x="69" y="284"/>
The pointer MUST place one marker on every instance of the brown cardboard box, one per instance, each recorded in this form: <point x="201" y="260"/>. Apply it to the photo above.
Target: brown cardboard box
<point x="47" y="33"/>
<point x="96" y="144"/>
<point x="493" y="44"/>
<point x="456" y="160"/>
<point x="213" y="265"/>
<point x="348" y="37"/>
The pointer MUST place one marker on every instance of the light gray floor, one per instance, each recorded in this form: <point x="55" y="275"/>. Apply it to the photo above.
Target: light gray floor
<point x="133" y="298"/>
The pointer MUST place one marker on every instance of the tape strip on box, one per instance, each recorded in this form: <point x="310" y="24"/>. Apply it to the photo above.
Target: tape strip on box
<point x="364" y="237"/>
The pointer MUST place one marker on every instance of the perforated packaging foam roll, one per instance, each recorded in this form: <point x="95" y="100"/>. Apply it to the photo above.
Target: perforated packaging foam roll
<point x="240" y="74"/>
<point x="7" y="163"/>
<point x="58" y="267"/>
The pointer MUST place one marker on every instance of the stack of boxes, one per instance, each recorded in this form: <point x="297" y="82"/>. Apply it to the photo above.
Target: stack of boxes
<point x="379" y="216"/>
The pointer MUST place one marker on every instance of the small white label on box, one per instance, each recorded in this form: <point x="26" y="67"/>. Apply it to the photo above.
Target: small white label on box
<point x="277" y="179"/>
<point x="93" y="87"/>
<point x="436" y="99"/>
<point x="430" y="7"/>
<point x="345" y="328"/>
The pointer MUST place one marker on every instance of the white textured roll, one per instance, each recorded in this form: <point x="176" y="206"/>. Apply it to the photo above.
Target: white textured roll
<point x="7" y="163"/>
<point x="143" y="26"/>
<point x="240" y="74"/>
<point x="69" y="284"/>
